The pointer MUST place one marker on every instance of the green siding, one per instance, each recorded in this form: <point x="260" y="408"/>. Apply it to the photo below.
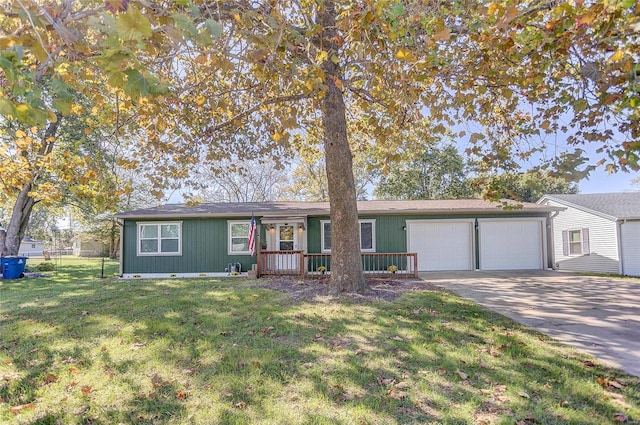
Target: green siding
<point x="391" y="234"/>
<point x="205" y="241"/>
<point x="204" y="249"/>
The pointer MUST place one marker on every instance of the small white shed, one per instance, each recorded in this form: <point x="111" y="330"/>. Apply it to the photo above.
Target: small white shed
<point x="597" y="232"/>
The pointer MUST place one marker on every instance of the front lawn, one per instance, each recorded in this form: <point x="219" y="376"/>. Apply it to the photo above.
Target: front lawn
<point x="78" y="349"/>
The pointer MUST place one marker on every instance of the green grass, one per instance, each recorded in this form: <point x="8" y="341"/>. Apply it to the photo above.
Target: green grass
<point x="77" y="349"/>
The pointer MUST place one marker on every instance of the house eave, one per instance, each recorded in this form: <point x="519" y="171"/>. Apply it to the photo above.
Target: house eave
<point x="580" y="207"/>
<point x="308" y="209"/>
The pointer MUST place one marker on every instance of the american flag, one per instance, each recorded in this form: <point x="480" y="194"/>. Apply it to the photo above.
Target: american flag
<point x="252" y="236"/>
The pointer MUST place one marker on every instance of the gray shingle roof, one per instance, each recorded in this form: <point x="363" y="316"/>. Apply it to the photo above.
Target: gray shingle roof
<point x="618" y="206"/>
<point x="231" y="209"/>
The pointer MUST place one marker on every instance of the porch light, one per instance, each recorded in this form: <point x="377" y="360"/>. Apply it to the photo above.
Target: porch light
<point x="301" y="227"/>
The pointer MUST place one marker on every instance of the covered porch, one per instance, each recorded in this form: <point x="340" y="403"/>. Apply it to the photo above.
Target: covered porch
<point x="300" y="263"/>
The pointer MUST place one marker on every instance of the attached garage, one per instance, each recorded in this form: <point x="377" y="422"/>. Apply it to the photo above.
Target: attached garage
<point x="441" y="244"/>
<point x="630" y="241"/>
<point x="511" y="244"/>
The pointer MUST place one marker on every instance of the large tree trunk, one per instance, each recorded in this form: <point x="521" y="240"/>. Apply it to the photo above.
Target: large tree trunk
<point x="114" y="240"/>
<point x="10" y="243"/>
<point x="346" y="263"/>
<point x="19" y="222"/>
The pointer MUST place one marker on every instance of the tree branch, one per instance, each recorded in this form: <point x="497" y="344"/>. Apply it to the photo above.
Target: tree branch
<point x="280" y="99"/>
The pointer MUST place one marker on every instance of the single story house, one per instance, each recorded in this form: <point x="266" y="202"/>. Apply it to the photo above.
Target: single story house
<point x="30" y="247"/>
<point x="178" y="240"/>
<point x="597" y="232"/>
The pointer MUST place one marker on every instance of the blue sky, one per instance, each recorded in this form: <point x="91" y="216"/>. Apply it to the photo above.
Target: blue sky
<point x="601" y="182"/>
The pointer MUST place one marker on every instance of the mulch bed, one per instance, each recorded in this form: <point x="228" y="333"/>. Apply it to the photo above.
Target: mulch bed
<point x="380" y="289"/>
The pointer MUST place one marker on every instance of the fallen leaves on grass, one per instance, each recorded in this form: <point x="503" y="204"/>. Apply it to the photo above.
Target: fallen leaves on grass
<point x="21" y="407"/>
<point x="620" y="417"/>
<point x="181" y="395"/>
<point x="395" y="393"/>
<point x="462" y="375"/>
<point x="50" y="379"/>
<point x="609" y="383"/>
<point x="396" y="389"/>
<point x="158" y="381"/>
<point x="385" y="381"/>
<point x="86" y="389"/>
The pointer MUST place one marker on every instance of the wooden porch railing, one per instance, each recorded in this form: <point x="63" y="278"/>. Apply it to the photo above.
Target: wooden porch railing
<point x="280" y="263"/>
<point x="299" y="263"/>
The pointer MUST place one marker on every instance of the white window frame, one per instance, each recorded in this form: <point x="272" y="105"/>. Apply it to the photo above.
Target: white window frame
<point x="580" y="242"/>
<point x="360" y="222"/>
<point x="573" y="243"/>
<point x="230" y="224"/>
<point x="159" y="238"/>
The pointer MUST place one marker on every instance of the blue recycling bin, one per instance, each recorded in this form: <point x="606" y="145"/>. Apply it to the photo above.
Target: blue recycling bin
<point x="13" y="267"/>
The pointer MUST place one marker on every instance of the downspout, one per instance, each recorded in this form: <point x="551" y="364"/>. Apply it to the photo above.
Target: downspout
<point x="550" y="241"/>
<point x="120" y="224"/>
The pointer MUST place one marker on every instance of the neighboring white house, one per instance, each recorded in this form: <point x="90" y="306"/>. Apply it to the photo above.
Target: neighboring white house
<point x="597" y="232"/>
<point x="31" y="248"/>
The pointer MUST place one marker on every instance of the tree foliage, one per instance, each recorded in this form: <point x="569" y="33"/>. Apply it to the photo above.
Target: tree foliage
<point x="208" y="79"/>
<point x="430" y="171"/>
<point x="309" y="181"/>
<point x="529" y="186"/>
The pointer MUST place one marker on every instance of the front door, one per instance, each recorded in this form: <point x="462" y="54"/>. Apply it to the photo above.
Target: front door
<point x="286" y="241"/>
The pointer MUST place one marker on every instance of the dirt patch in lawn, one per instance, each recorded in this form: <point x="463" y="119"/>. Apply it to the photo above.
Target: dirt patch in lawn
<point x="380" y="289"/>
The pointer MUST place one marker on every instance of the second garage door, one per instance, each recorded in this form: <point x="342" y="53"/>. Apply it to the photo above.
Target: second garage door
<point x="441" y="245"/>
<point x="516" y="244"/>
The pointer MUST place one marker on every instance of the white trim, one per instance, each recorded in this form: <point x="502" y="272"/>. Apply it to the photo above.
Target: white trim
<point x="621" y="259"/>
<point x="230" y="250"/>
<point x="177" y="275"/>
<point x="547" y="198"/>
<point x="158" y="253"/>
<point x="322" y="248"/>
<point x="472" y="234"/>
<point x="373" y="234"/>
<point x="544" y="252"/>
<point x="364" y="220"/>
<point x="569" y="241"/>
<point x="294" y="235"/>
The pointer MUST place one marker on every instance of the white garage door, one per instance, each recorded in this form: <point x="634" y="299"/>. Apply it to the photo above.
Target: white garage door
<point x="510" y="244"/>
<point x="441" y="245"/>
<point x="630" y="234"/>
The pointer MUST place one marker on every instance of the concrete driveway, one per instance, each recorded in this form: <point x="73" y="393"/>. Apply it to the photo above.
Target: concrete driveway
<point x="598" y="315"/>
